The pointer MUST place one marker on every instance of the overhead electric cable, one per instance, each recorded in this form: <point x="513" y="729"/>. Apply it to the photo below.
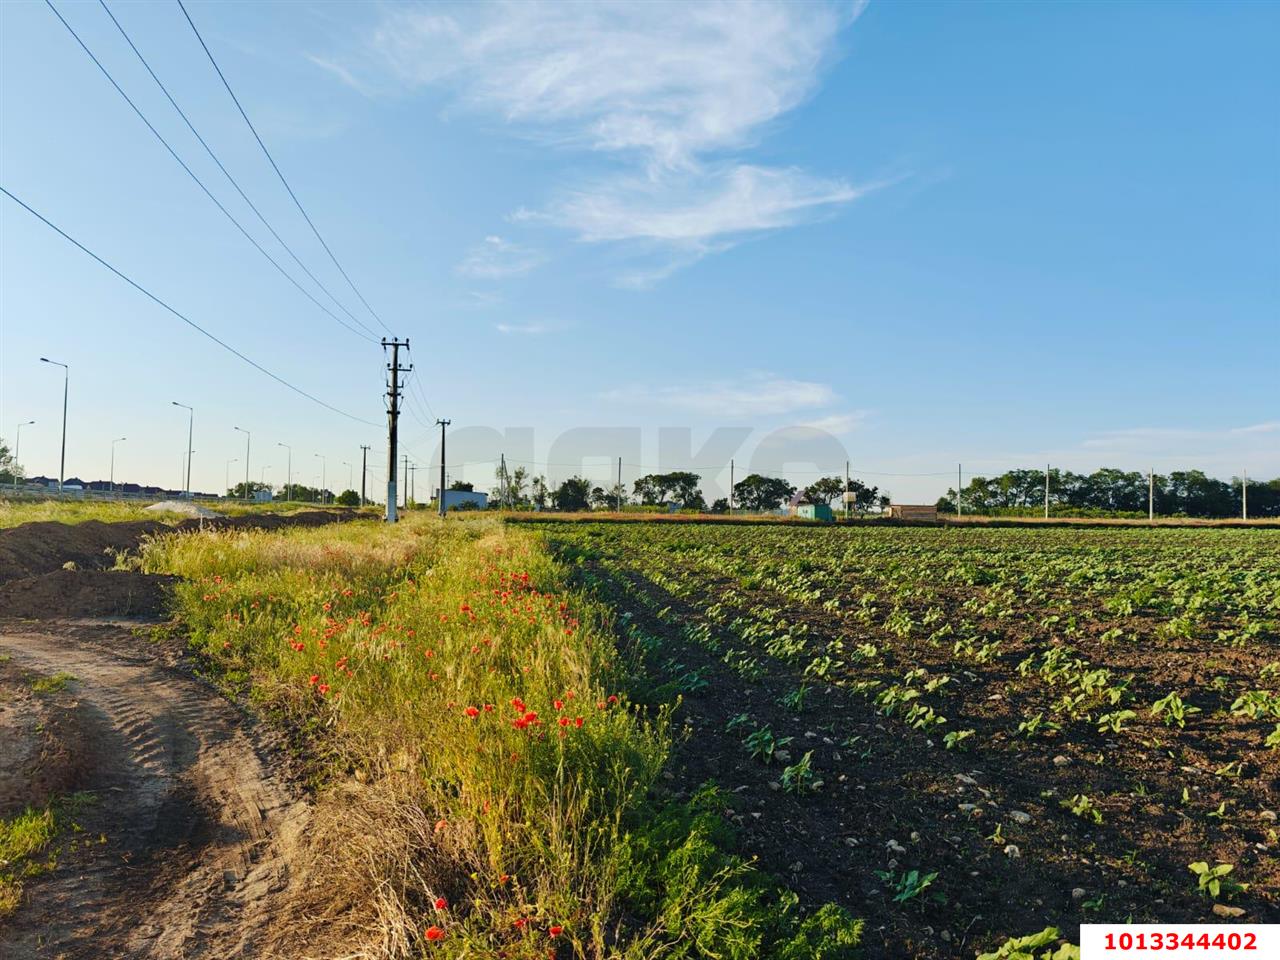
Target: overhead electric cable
<point x="200" y="183"/>
<point x="232" y="180"/>
<point x="276" y="168"/>
<point x="181" y="316"/>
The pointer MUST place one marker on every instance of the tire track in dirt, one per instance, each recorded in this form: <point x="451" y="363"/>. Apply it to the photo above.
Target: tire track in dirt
<point x="200" y="831"/>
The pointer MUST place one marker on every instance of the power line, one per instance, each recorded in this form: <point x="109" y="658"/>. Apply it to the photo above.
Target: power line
<point x="181" y="316"/>
<point x="276" y="168"/>
<point x="200" y="183"/>
<point x="213" y="156"/>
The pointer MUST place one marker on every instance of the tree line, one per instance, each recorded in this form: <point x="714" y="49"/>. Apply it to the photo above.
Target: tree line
<point x="1109" y="491"/>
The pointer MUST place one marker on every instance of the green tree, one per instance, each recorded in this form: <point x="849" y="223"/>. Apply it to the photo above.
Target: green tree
<point x="9" y="468"/>
<point x="462" y="486"/>
<point x="573" y="494"/>
<point x="238" y="491"/>
<point x="824" y="490"/>
<point x="540" y="493"/>
<point x="760" y="493"/>
<point x="348" y="498"/>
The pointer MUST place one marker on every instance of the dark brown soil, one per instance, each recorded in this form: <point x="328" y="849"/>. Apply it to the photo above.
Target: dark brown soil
<point x="86" y="593"/>
<point x="31" y="549"/>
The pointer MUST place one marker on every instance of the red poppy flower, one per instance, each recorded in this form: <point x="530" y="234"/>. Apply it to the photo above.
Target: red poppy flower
<point x="555" y="930"/>
<point x="558" y="704"/>
<point x="441" y="903"/>
<point x="434" y="933"/>
<point x="565" y="721"/>
<point x="313" y="679"/>
<point x="472" y="712"/>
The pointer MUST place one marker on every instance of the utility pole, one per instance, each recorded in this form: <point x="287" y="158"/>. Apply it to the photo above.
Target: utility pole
<point x="731" y="487"/>
<point x="406" y="481"/>
<point x="846" y="490"/>
<point x="619" y="484"/>
<point x="1244" y="496"/>
<point x="442" y="424"/>
<point x="502" y="480"/>
<point x="959" y="482"/>
<point x="1046" y="491"/>
<point x="226" y="475"/>
<point x="112" y="481"/>
<point x="17" y="448"/>
<point x="246" y="460"/>
<point x="1151" y="494"/>
<point x="191" y="420"/>
<point x="66" y="378"/>
<point x="324" y="477"/>
<point x="393" y="419"/>
<point x="288" y="473"/>
<point x="413" y="482"/>
<point x="364" y="469"/>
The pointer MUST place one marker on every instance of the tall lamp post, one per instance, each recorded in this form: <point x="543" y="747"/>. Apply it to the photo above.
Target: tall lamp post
<point x="246" y="460"/>
<point x="324" y="468"/>
<point x="191" y="420"/>
<point x="288" y="473"/>
<point x="17" y="448"/>
<point x="66" y="379"/>
<point x="112" y="481"/>
<point x="226" y="475"/>
<point x="350" y="474"/>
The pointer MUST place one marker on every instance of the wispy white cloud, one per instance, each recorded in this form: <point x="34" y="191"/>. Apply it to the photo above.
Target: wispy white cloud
<point x="496" y="259"/>
<point x="753" y="396"/>
<point x="342" y="73"/>
<point x="524" y="329"/>
<point x="1271" y="426"/>
<point x="671" y="93"/>
<point x="838" y="423"/>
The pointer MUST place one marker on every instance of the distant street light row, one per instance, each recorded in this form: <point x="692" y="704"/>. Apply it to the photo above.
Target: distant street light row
<point x="186" y="479"/>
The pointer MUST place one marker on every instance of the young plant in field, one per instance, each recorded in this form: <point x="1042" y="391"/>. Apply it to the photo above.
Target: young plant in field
<point x="1215" y="881"/>
<point x="1173" y="710"/>
<point x="1083" y="807"/>
<point x="957" y="739"/>
<point x="1273" y="738"/>
<point x="800" y="778"/>
<point x="1114" y="721"/>
<point x="794" y="700"/>
<point x="910" y="885"/>
<point x="763" y="745"/>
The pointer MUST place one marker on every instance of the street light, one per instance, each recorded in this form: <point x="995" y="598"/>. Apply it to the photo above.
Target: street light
<point x="324" y="467"/>
<point x="113" y="462"/>
<point x="191" y="420"/>
<point x="350" y="474"/>
<point x="17" y="447"/>
<point x="226" y="475"/>
<point x="288" y="476"/>
<point x="66" y="379"/>
<point x="246" y="460"/>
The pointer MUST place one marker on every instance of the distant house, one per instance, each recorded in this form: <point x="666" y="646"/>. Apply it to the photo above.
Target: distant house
<point x="911" y="511"/>
<point x="809" y="511"/>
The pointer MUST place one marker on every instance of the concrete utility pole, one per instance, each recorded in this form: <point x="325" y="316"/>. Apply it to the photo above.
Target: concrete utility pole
<point x="1046" y="491"/>
<point x="502" y="480"/>
<point x="191" y="420"/>
<point x="959" y="483"/>
<point x="619" y="484"/>
<point x="364" y="469"/>
<point x="393" y="419"/>
<point x="66" y="379"/>
<point x="324" y="477"/>
<point x="731" y="487"/>
<point x="1244" y="496"/>
<point x="1151" y="494"/>
<point x="112" y="481"/>
<point x="246" y="461"/>
<point x="17" y="448"/>
<point x="406" y="481"/>
<point x="288" y="473"/>
<point x="442" y="424"/>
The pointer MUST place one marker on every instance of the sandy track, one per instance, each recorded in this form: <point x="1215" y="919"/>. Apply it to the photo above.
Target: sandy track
<point x="200" y="830"/>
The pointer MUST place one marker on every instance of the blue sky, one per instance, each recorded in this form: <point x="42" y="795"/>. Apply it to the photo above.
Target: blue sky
<point x="996" y="234"/>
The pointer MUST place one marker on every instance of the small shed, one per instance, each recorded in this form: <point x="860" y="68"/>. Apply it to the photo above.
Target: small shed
<point x="913" y="511"/>
<point x="814" y="511"/>
<point x="465" y="500"/>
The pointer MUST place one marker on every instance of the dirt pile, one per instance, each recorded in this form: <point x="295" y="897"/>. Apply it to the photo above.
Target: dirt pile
<point x="184" y="507"/>
<point x="85" y="593"/>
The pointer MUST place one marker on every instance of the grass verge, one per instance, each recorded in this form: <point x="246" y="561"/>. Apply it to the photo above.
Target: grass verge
<point x="484" y="782"/>
<point x="26" y="845"/>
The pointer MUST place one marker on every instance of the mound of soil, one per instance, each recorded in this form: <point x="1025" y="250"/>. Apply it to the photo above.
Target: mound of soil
<point x="31" y="549"/>
<point x="85" y="593"/>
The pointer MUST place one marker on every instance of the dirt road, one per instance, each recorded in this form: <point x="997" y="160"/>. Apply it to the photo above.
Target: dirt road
<point x="199" y="829"/>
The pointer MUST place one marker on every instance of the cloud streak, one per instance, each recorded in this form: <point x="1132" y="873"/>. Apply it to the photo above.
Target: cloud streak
<point x="753" y="396"/>
<point x="497" y="259"/>
<point x="673" y="97"/>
